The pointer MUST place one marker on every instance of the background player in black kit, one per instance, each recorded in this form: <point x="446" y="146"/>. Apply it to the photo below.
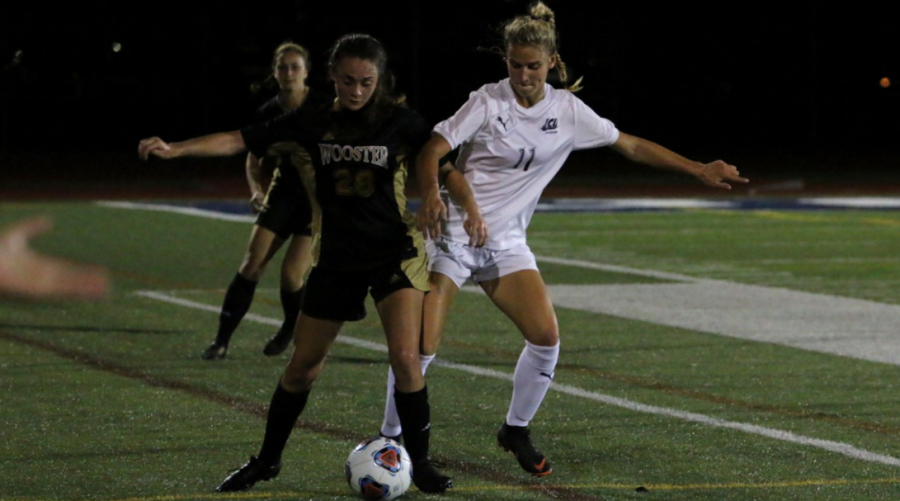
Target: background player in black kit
<point x="284" y="216"/>
<point x="353" y="158"/>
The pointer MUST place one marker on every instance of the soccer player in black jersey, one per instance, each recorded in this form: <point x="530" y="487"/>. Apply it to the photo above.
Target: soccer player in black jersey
<point x="353" y="158"/>
<point x="284" y="216"/>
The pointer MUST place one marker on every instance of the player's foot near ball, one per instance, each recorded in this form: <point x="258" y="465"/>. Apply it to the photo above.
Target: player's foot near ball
<point x="278" y="343"/>
<point x="395" y="438"/>
<point x="246" y="476"/>
<point x="517" y="439"/>
<point x="214" y="351"/>
<point x="429" y="480"/>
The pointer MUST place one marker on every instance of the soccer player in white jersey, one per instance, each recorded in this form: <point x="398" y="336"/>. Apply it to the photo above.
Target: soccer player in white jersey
<point x="513" y="136"/>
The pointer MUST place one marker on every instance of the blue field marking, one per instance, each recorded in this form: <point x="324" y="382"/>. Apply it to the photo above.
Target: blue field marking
<point x="590" y="205"/>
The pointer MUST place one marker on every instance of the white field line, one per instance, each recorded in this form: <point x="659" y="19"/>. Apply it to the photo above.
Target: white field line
<point x="622" y="269"/>
<point x="855" y="328"/>
<point x="187" y="211"/>
<point x="837" y="447"/>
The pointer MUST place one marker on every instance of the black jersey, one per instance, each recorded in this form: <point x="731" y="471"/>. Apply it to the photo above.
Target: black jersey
<point x="355" y="183"/>
<point x="285" y="179"/>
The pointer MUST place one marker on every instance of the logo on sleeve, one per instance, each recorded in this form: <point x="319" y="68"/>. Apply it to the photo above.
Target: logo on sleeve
<point x="550" y="126"/>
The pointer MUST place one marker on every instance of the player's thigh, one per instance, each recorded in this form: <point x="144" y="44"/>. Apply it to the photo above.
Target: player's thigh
<point x="522" y="296"/>
<point x="262" y="246"/>
<point x="313" y="338"/>
<point x="297" y="261"/>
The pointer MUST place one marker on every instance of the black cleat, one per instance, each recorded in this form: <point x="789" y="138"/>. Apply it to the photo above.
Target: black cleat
<point x="215" y="351"/>
<point x="516" y="439"/>
<point x="429" y="480"/>
<point x="278" y="343"/>
<point x="246" y="476"/>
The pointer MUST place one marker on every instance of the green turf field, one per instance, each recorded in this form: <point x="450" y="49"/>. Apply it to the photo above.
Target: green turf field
<point x="110" y="401"/>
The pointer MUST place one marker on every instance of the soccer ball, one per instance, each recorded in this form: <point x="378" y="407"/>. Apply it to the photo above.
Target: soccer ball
<point x="379" y="468"/>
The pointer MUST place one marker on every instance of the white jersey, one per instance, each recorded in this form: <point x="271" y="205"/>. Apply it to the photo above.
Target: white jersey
<point x="509" y="154"/>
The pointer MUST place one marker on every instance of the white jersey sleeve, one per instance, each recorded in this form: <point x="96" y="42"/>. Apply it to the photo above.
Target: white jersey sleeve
<point x="468" y="120"/>
<point x="591" y="130"/>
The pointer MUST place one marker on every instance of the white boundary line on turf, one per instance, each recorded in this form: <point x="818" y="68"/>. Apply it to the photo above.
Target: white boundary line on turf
<point x="662" y="275"/>
<point x="786" y="436"/>
<point x="188" y="211"/>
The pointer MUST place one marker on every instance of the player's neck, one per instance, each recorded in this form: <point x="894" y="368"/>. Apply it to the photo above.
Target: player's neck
<point x="294" y="98"/>
<point x="529" y="101"/>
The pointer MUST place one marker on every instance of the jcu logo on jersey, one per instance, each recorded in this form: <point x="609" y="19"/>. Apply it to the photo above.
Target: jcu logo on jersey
<point x="550" y="126"/>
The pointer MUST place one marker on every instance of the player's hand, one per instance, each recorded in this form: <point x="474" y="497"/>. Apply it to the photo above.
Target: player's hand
<point x="431" y="214"/>
<point x="258" y="202"/>
<point x="156" y="147"/>
<point x="477" y="229"/>
<point x="28" y="274"/>
<point x="719" y="174"/>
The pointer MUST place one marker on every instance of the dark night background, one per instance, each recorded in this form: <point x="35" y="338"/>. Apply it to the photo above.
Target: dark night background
<point x="782" y="90"/>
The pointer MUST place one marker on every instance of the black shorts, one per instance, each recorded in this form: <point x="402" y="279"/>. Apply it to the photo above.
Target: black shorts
<point x="341" y="295"/>
<point x="288" y="212"/>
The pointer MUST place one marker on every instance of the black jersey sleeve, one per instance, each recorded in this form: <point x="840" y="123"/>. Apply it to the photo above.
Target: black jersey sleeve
<point x="297" y="126"/>
<point x="300" y="125"/>
<point x="259" y="136"/>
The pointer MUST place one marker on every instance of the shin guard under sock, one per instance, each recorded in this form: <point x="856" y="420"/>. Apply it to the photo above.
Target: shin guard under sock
<point x="237" y="302"/>
<point x="284" y="410"/>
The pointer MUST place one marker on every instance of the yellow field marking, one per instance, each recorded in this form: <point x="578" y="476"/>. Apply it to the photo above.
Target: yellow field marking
<point x="536" y="487"/>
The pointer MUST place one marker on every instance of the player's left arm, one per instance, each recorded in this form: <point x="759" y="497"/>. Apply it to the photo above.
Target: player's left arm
<point x="717" y="174"/>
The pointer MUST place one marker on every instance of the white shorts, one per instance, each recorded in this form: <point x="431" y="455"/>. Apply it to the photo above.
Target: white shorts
<point x="460" y="261"/>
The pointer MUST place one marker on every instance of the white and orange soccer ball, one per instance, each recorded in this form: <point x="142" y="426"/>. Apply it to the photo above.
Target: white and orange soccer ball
<point x="379" y="468"/>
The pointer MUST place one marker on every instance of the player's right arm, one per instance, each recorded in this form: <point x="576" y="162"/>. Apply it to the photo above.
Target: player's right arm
<point x="461" y="194"/>
<point x="221" y="144"/>
<point x="255" y="182"/>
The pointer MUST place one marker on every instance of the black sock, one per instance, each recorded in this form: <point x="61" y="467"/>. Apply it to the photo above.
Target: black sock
<point x="290" y="304"/>
<point x="415" y="418"/>
<point x="237" y="302"/>
<point x="284" y="410"/>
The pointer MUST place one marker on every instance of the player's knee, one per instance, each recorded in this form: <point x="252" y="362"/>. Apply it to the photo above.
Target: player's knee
<point x="251" y="269"/>
<point x="547" y="336"/>
<point x="405" y="364"/>
<point x="429" y="345"/>
<point x="299" y="377"/>
<point x="291" y="281"/>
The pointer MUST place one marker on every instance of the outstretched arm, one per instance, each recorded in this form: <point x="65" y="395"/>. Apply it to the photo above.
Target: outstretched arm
<point x="221" y="144"/>
<point x="717" y="174"/>
<point x="25" y="273"/>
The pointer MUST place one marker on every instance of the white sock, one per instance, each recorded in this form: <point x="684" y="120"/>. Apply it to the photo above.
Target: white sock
<point x="534" y="373"/>
<point x="390" y="427"/>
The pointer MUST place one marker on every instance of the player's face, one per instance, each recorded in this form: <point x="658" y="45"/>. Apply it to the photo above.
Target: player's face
<point x="355" y="81"/>
<point x="290" y="71"/>
<point x="528" y="67"/>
